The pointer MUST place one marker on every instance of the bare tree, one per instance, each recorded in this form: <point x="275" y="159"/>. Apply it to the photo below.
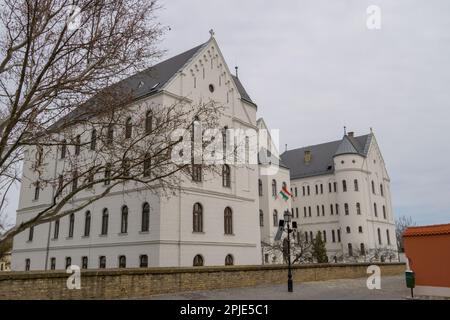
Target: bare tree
<point x="378" y="254"/>
<point x="60" y="97"/>
<point x="301" y="249"/>
<point x="401" y="224"/>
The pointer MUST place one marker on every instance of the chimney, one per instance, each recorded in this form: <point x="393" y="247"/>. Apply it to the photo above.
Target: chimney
<point x="307" y="157"/>
<point x="351" y="134"/>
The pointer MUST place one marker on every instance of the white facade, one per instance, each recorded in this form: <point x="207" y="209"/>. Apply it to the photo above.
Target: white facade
<point x="351" y="217"/>
<point x="253" y="197"/>
<point x="170" y="240"/>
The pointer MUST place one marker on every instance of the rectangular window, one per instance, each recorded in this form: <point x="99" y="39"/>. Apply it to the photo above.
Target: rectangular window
<point x="337" y="209"/>
<point x="56" y="230"/>
<point x="321" y="188"/>
<point x="339" y="235"/>
<point x="333" y="236"/>
<point x="323" y="211"/>
<point x="309" y="211"/>
<point x="304" y="211"/>
<point x="331" y="209"/>
<point x="329" y="187"/>
<point x="296" y="194"/>
<point x="304" y="193"/>
<point x="84" y="262"/>
<point x="296" y="212"/>
<point x="309" y="193"/>
<point x="52" y="263"/>
<point x="335" y="186"/>
<point x="318" y="211"/>
<point x="317" y="189"/>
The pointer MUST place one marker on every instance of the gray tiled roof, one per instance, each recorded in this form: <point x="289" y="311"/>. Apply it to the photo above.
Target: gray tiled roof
<point x="151" y="81"/>
<point x="322" y="156"/>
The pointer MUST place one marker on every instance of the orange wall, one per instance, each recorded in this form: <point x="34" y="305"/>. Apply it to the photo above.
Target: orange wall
<point x="429" y="258"/>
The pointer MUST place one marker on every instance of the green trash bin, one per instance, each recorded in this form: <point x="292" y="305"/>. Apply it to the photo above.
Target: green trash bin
<point x="410" y="277"/>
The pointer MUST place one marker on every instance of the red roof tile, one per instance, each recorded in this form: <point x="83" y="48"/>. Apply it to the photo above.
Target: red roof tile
<point x="427" y="230"/>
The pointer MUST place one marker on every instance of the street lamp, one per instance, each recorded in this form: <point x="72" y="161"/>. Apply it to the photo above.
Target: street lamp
<point x="287" y="220"/>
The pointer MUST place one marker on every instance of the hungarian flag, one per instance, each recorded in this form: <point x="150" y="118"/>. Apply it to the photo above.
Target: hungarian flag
<point x="285" y="193"/>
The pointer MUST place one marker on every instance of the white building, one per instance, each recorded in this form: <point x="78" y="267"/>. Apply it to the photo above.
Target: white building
<point x="95" y="238"/>
<point x="341" y="189"/>
<point x="170" y="240"/>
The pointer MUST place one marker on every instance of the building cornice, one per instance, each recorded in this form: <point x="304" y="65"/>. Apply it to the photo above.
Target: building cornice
<point x="138" y="243"/>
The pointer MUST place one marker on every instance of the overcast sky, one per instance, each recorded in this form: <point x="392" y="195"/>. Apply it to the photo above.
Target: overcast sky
<point x="312" y="66"/>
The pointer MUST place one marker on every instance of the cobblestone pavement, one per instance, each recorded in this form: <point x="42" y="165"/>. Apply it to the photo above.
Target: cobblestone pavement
<point x="392" y="288"/>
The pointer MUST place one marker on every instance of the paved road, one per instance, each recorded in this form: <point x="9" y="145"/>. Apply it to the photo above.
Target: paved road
<point x="392" y="288"/>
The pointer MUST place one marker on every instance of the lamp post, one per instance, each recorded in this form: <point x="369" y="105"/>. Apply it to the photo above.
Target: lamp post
<point x="287" y="220"/>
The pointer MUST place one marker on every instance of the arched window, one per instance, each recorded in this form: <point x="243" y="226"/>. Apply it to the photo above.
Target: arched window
<point x="358" y="208"/>
<point x="37" y="189"/>
<point x="93" y="139"/>
<point x="388" y="237"/>
<point x="224" y="142"/>
<point x="84" y="262"/>
<point x="381" y="190"/>
<point x="128" y="128"/>
<point x="348" y="229"/>
<point x="68" y="262"/>
<point x="344" y="185"/>
<point x="148" y="122"/>
<point x="198" y="218"/>
<point x="275" y="218"/>
<point x="350" y="250"/>
<point x="360" y="230"/>
<point x="105" y="217"/>
<point x="261" y="218"/>
<point x="247" y="150"/>
<point x="198" y="261"/>
<point x="87" y="223"/>
<point x="110" y="134"/>
<point x="63" y="148"/>
<point x="355" y="183"/>
<point x="228" y="220"/>
<point x="363" y="249"/>
<point x="124" y="220"/>
<point x="71" y="224"/>
<point x="373" y="187"/>
<point x="107" y="174"/>
<point x="77" y="145"/>
<point x="379" y="236"/>
<point x="52" y="263"/>
<point x="143" y="261"/>
<point x="260" y="188"/>
<point x="30" y="234"/>
<point x="147" y="165"/>
<point x="346" y="209"/>
<point x="274" y="188"/>
<point x="384" y="212"/>
<point x="145" y="221"/>
<point x="375" y="211"/>
<point x="27" y="264"/>
<point x="74" y="180"/>
<point x="122" y="262"/>
<point x="102" y="262"/>
<point x="229" y="260"/>
<point x="226" y="176"/>
<point x="56" y="230"/>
